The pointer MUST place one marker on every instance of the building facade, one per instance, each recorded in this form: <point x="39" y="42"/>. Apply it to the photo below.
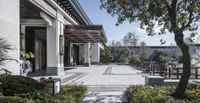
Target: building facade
<point x="57" y="32"/>
<point x="170" y="50"/>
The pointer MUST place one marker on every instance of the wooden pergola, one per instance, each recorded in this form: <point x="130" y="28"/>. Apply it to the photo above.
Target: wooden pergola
<point x="84" y="34"/>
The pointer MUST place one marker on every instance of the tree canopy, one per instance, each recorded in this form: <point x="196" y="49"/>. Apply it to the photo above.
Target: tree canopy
<point x="130" y="39"/>
<point x="174" y="16"/>
<point x="105" y="56"/>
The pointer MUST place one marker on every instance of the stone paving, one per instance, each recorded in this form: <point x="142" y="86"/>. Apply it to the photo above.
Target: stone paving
<point x="106" y="83"/>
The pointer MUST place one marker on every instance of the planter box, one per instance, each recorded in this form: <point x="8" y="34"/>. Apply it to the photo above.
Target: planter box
<point x="154" y="80"/>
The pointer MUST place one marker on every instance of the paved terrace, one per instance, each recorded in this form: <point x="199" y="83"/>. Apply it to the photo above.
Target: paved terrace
<point x="122" y="75"/>
<point x="106" y="83"/>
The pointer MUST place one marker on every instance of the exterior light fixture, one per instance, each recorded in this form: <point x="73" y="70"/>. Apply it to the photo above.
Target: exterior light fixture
<point x="52" y="85"/>
<point x="61" y="44"/>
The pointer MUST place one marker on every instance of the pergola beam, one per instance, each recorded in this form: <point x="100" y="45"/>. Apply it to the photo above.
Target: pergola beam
<point x="85" y="33"/>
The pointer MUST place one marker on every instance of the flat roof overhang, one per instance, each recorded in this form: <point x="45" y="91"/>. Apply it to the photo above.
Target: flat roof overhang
<point x="84" y="34"/>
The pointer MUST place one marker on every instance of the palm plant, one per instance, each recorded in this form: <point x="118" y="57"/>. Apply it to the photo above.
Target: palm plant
<point x="4" y="58"/>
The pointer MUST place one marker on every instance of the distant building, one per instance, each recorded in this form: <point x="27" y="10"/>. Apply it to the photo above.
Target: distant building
<point x="170" y="50"/>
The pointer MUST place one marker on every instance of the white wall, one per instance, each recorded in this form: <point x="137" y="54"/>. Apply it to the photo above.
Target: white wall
<point x="9" y="28"/>
<point x="95" y="53"/>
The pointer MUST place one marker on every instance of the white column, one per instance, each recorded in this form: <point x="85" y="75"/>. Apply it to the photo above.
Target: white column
<point x="87" y="61"/>
<point x="62" y="33"/>
<point x="22" y="38"/>
<point x="96" y="53"/>
<point x="71" y="53"/>
<point x="9" y="29"/>
<point x="54" y="60"/>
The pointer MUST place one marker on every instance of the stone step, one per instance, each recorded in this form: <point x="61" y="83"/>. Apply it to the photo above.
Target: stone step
<point x="107" y="88"/>
<point x="105" y="97"/>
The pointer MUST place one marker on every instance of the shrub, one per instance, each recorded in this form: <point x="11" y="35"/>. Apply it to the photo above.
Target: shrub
<point x="68" y="94"/>
<point x="75" y="91"/>
<point x="45" y="97"/>
<point x="8" y="99"/>
<point x="142" y="94"/>
<point x="15" y="85"/>
<point x="193" y="95"/>
<point x="28" y="89"/>
<point x="161" y="94"/>
<point x="159" y="56"/>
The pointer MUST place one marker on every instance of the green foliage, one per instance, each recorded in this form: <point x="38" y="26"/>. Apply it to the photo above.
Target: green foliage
<point x="153" y="13"/>
<point x="68" y="94"/>
<point x="28" y="90"/>
<point x="142" y="94"/>
<point x="8" y="99"/>
<point x="75" y="91"/>
<point x="44" y="97"/>
<point x="120" y="54"/>
<point x="105" y="56"/>
<point x="147" y="94"/>
<point x="174" y="16"/>
<point x="143" y="51"/>
<point x="4" y="58"/>
<point x="159" y="56"/>
<point x="135" y="59"/>
<point x="193" y="94"/>
<point x="15" y="85"/>
<point x="130" y="39"/>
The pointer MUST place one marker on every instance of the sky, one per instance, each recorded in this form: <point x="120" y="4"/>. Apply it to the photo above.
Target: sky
<point x="113" y="32"/>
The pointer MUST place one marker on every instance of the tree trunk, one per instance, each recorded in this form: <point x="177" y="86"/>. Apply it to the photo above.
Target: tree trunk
<point x="182" y="86"/>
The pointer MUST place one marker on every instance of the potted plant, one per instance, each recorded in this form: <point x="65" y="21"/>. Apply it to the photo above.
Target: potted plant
<point x="25" y="64"/>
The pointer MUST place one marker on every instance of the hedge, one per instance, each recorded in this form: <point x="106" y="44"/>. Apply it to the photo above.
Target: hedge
<point x="148" y="94"/>
<point x="15" y="85"/>
<point x="9" y="99"/>
<point x="19" y="89"/>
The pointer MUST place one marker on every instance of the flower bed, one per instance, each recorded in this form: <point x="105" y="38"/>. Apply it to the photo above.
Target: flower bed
<point x="148" y="94"/>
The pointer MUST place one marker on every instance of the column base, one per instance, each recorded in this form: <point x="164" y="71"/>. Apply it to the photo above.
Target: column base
<point x="57" y="71"/>
<point x="95" y="63"/>
<point x="87" y="64"/>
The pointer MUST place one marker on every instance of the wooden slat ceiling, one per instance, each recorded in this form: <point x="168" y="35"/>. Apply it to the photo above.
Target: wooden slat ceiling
<point x="85" y="33"/>
<point x="67" y="6"/>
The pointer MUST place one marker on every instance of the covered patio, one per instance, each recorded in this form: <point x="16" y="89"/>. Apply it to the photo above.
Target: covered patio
<point x="83" y="44"/>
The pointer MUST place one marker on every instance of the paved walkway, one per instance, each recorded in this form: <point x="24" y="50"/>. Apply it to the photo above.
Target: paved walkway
<point x="106" y="84"/>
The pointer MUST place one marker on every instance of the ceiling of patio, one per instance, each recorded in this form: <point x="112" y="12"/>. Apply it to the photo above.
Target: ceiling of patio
<point x="85" y="33"/>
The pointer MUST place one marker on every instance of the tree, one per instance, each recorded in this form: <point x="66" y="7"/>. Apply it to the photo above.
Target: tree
<point x="120" y="53"/>
<point x="130" y="39"/>
<point x="159" y="56"/>
<point x="143" y="51"/>
<point x="174" y="16"/>
<point x="124" y="54"/>
<point x="105" y="56"/>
